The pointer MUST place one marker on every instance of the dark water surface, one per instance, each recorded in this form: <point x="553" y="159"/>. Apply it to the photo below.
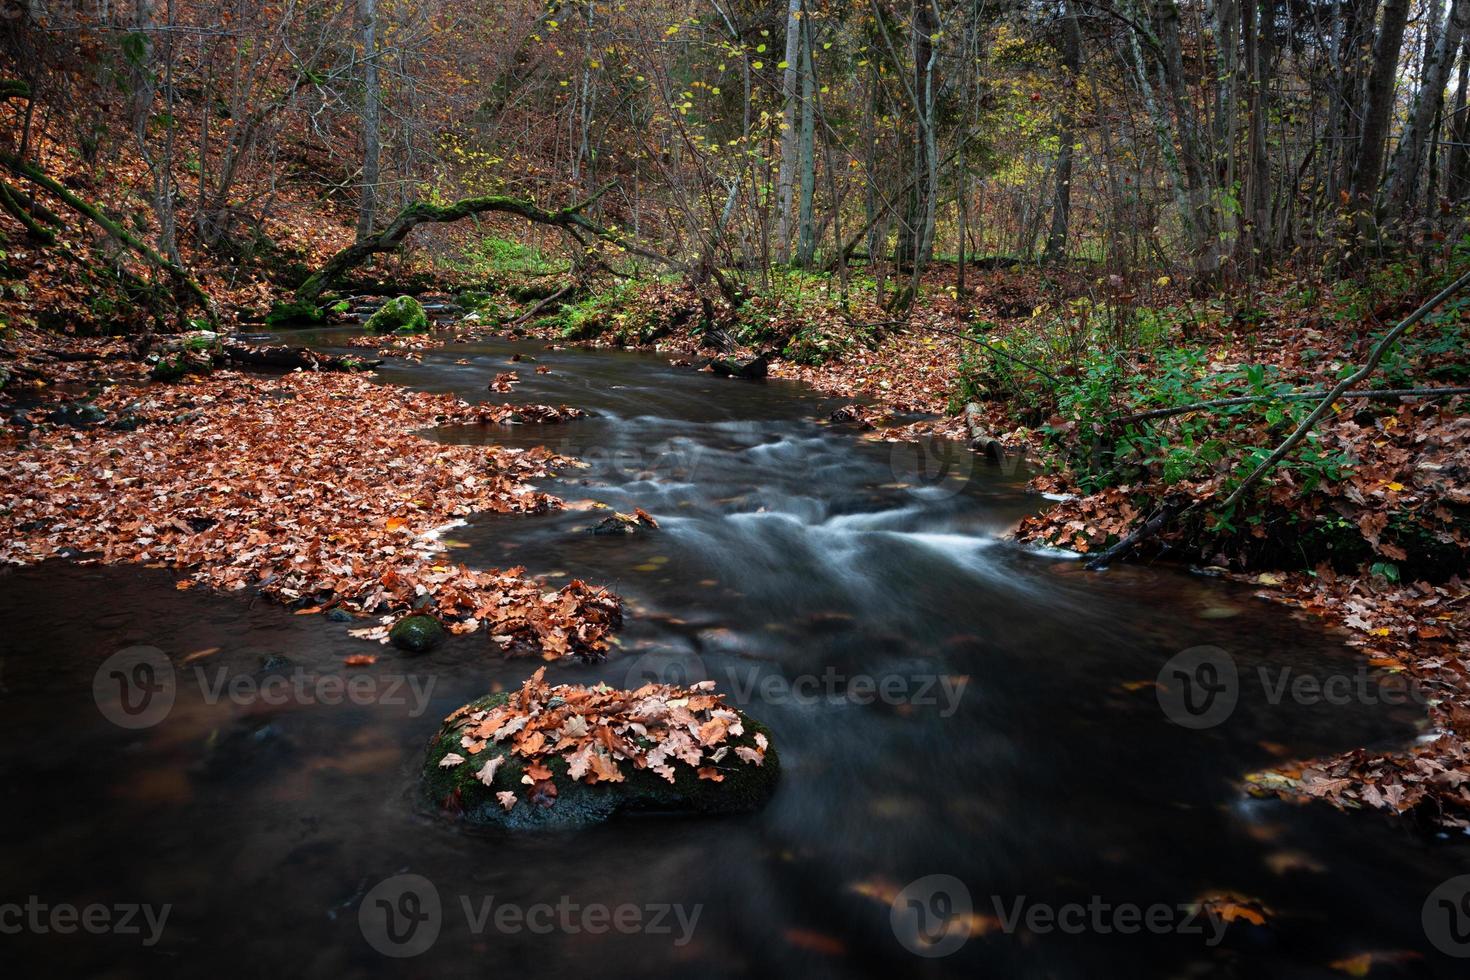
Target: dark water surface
<point x="1016" y="744"/>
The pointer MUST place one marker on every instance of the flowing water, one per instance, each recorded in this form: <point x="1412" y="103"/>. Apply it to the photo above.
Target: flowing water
<point x="945" y="703"/>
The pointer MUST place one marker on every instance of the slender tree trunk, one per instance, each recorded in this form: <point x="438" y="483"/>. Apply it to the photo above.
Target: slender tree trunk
<point x="1458" y="168"/>
<point x="1198" y="243"/>
<point x="1227" y="114"/>
<point x="786" y="175"/>
<point x="916" y="234"/>
<point x="1408" y="160"/>
<point x="807" y="154"/>
<point x="1377" y="116"/>
<point x="1056" y="241"/>
<point x="582" y="166"/>
<point x="1258" y="29"/>
<point x="371" y="117"/>
<point x="1191" y="149"/>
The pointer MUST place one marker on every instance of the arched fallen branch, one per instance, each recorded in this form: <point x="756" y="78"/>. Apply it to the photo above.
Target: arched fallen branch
<point x="390" y="238"/>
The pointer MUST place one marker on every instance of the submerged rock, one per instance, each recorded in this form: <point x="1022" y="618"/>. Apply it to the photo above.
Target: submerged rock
<point x="751" y="370"/>
<point x="618" y="523"/>
<point x="78" y="415"/>
<point x="416" y="634"/>
<point x="403" y="314"/>
<point x="572" y="757"/>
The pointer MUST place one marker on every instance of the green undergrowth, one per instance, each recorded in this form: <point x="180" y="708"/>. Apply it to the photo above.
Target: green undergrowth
<point x="1078" y="372"/>
<point x="799" y="314"/>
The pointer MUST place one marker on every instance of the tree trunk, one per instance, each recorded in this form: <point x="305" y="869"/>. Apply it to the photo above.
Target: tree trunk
<point x="1056" y="241"/>
<point x="1191" y="151"/>
<point x="371" y="118"/>
<point x="1408" y="160"/>
<point x="1258" y="28"/>
<point x="786" y="176"/>
<point x="808" y="157"/>
<point x="1457" y="175"/>
<point x="917" y="228"/>
<point x="1376" y="119"/>
<point x="391" y="237"/>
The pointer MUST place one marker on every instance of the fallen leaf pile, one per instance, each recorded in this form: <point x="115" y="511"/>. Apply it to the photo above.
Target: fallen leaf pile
<point x="37" y="360"/>
<point x="1421" y="632"/>
<point x="601" y="734"/>
<point x="312" y="488"/>
<point x="408" y="346"/>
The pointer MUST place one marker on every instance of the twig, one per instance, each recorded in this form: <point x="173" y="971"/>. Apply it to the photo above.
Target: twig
<point x="1325" y="405"/>
<point x="543" y="303"/>
<point x="993" y="349"/>
<point x="1164" y="413"/>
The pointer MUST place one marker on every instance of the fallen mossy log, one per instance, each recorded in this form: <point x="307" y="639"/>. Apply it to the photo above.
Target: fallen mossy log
<point x="390" y="238"/>
<point x="284" y="356"/>
<point x="17" y="208"/>
<point x="29" y="171"/>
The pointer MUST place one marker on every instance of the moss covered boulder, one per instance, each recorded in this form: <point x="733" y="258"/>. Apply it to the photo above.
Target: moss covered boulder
<point x="295" y="314"/>
<point x="416" y="634"/>
<point x="403" y="314"/>
<point x="569" y="756"/>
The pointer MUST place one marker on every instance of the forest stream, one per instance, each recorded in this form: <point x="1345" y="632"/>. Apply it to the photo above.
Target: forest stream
<point x="945" y="703"/>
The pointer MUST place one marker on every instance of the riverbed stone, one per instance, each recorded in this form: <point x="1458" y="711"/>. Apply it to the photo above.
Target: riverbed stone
<point x="402" y="314"/>
<point x="745" y="788"/>
<point x="416" y="634"/>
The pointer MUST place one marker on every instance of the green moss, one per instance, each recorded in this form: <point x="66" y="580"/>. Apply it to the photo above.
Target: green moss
<point x="416" y="634"/>
<point x="527" y="292"/>
<point x="294" y="314"/>
<point x="170" y="368"/>
<point x="746" y="786"/>
<point x="402" y="314"/>
<point x="622" y="313"/>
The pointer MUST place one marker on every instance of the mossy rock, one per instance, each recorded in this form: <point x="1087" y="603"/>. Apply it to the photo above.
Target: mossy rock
<point x="746" y="786"/>
<point x="168" y="369"/>
<point x="295" y="314"/>
<point x="416" y="634"/>
<point x="471" y="300"/>
<point x="402" y="314"/>
<point x="172" y="367"/>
